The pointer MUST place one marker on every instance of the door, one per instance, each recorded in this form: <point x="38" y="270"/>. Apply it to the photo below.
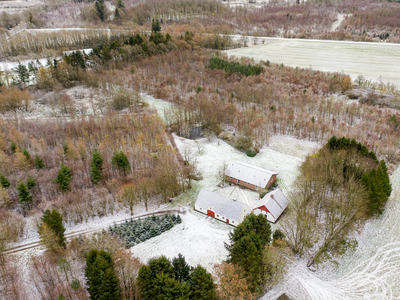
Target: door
<point x="227" y="221"/>
<point x="210" y="213"/>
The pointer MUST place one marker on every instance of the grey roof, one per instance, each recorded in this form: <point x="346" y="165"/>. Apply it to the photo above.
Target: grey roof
<point x="248" y="173"/>
<point x="275" y="201"/>
<point x="224" y="206"/>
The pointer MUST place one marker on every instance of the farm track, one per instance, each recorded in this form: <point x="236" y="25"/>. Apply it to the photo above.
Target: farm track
<point x="72" y="234"/>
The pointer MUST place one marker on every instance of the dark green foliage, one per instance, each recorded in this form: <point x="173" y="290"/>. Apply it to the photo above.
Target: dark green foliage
<point x="201" y="285"/>
<point x="163" y="280"/>
<point x="13" y="147"/>
<point x="378" y="185"/>
<point x="39" y="162"/>
<point x="181" y="268"/>
<point x="102" y="282"/>
<point x="22" y="72"/>
<point x="345" y="143"/>
<point x="25" y="197"/>
<point x="120" y="4"/>
<point x="61" y="297"/>
<point x="54" y="220"/>
<point x="75" y="284"/>
<point x="120" y="161"/>
<point x="137" y="231"/>
<point x="251" y="152"/>
<point x="75" y="59"/>
<point x="278" y="235"/>
<point x="26" y="153"/>
<point x="101" y="10"/>
<point x="65" y="147"/>
<point x="233" y="67"/>
<point x="4" y="182"/>
<point x="376" y="180"/>
<point x="64" y="177"/>
<point x="198" y="89"/>
<point x="96" y="167"/>
<point x="30" y="182"/>
<point x="155" y="25"/>
<point x="245" y="249"/>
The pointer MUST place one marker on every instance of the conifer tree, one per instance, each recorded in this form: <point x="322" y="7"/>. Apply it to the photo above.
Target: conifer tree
<point x="22" y="72"/>
<point x="155" y="25"/>
<point x="201" y="285"/>
<point x="101" y="10"/>
<point x="25" y="197"/>
<point x="64" y="177"/>
<point x="30" y="182"/>
<point x="26" y="153"/>
<point x="39" y="162"/>
<point x="181" y="268"/>
<point x="54" y="221"/>
<point x="120" y="4"/>
<point x="102" y="282"/>
<point x="96" y="167"/>
<point x="120" y="161"/>
<point x="13" y="147"/>
<point x="4" y="182"/>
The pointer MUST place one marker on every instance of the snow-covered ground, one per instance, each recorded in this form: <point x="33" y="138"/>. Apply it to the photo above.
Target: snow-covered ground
<point x="374" y="61"/>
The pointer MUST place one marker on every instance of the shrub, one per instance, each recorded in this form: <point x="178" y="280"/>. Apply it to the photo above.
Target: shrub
<point x="4" y="182"/>
<point x="39" y="162"/>
<point x="25" y="197"/>
<point x="121" y="101"/>
<point x="251" y="152"/>
<point x="120" y="161"/>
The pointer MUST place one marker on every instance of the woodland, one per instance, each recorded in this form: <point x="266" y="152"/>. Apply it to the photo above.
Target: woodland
<point x="99" y="149"/>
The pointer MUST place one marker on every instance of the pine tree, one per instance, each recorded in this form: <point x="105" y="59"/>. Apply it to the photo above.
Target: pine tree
<point x="4" y="182"/>
<point x="30" y="182"/>
<point x="120" y="161"/>
<point x="155" y="26"/>
<point x="96" y="167"/>
<point x="39" y="162"/>
<point x="181" y="268"/>
<point x="26" y="153"/>
<point x="145" y="284"/>
<point x="54" y="221"/>
<point x="64" y="177"/>
<point x="13" y="147"/>
<point x="201" y="285"/>
<point x="22" y="72"/>
<point x="101" y="10"/>
<point x="120" y="4"/>
<point x="25" y="197"/>
<point x="102" y="282"/>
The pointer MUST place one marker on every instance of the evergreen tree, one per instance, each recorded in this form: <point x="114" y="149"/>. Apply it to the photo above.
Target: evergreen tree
<point x="155" y="25"/>
<point x="120" y="161"/>
<point x="64" y="177"/>
<point x="201" y="285"/>
<point x="4" y="182"/>
<point x="145" y="284"/>
<point x="22" y="72"/>
<point x="101" y="10"/>
<point x="30" y="182"/>
<point x="102" y="282"/>
<point x="96" y="167"/>
<point x="54" y="221"/>
<point x="39" y="162"/>
<point x="13" y="147"/>
<point x="161" y="264"/>
<point x="120" y="4"/>
<point x="26" y="153"/>
<point x="25" y="197"/>
<point x="181" y="268"/>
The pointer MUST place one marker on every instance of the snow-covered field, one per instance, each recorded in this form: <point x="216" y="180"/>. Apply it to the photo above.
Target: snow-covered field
<point x="375" y="61"/>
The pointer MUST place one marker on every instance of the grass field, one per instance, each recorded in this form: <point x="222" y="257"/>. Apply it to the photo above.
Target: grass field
<point x="377" y="62"/>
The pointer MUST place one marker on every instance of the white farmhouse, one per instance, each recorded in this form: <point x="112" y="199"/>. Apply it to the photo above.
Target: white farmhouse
<point x="271" y="205"/>
<point x="221" y="208"/>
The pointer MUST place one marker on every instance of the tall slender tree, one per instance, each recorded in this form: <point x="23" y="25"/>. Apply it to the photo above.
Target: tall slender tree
<point x="96" y="167"/>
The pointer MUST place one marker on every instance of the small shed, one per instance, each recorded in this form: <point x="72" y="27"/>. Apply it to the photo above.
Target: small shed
<point x="271" y="205"/>
<point x="220" y="207"/>
<point x="249" y="176"/>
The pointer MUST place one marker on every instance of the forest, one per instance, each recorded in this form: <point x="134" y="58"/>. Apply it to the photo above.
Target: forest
<point x="79" y="143"/>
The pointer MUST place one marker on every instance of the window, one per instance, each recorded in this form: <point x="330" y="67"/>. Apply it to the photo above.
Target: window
<point x="233" y="222"/>
<point x="223" y="218"/>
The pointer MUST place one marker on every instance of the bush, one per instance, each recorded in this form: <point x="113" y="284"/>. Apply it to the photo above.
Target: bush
<point x="234" y="67"/>
<point x="251" y="152"/>
<point x="64" y="177"/>
<point x="120" y="161"/>
<point x="121" y="101"/>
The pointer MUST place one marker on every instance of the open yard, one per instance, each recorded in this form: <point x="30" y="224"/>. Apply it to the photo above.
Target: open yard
<point x="377" y="62"/>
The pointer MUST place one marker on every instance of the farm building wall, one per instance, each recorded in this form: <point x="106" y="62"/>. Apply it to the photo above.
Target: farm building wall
<point x="218" y="216"/>
<point x="242" y="183"/>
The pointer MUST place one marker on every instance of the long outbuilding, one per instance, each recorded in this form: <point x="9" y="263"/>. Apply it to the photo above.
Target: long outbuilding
<point x="249" y="176"/>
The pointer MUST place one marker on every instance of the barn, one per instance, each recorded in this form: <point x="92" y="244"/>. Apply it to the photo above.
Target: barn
<point x="222" y="208"/>
<point x="271" y="205"/>
<point x="249" y="176"/>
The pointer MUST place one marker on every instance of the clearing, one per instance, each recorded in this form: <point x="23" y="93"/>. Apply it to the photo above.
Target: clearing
<point x="377" y="62"/>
